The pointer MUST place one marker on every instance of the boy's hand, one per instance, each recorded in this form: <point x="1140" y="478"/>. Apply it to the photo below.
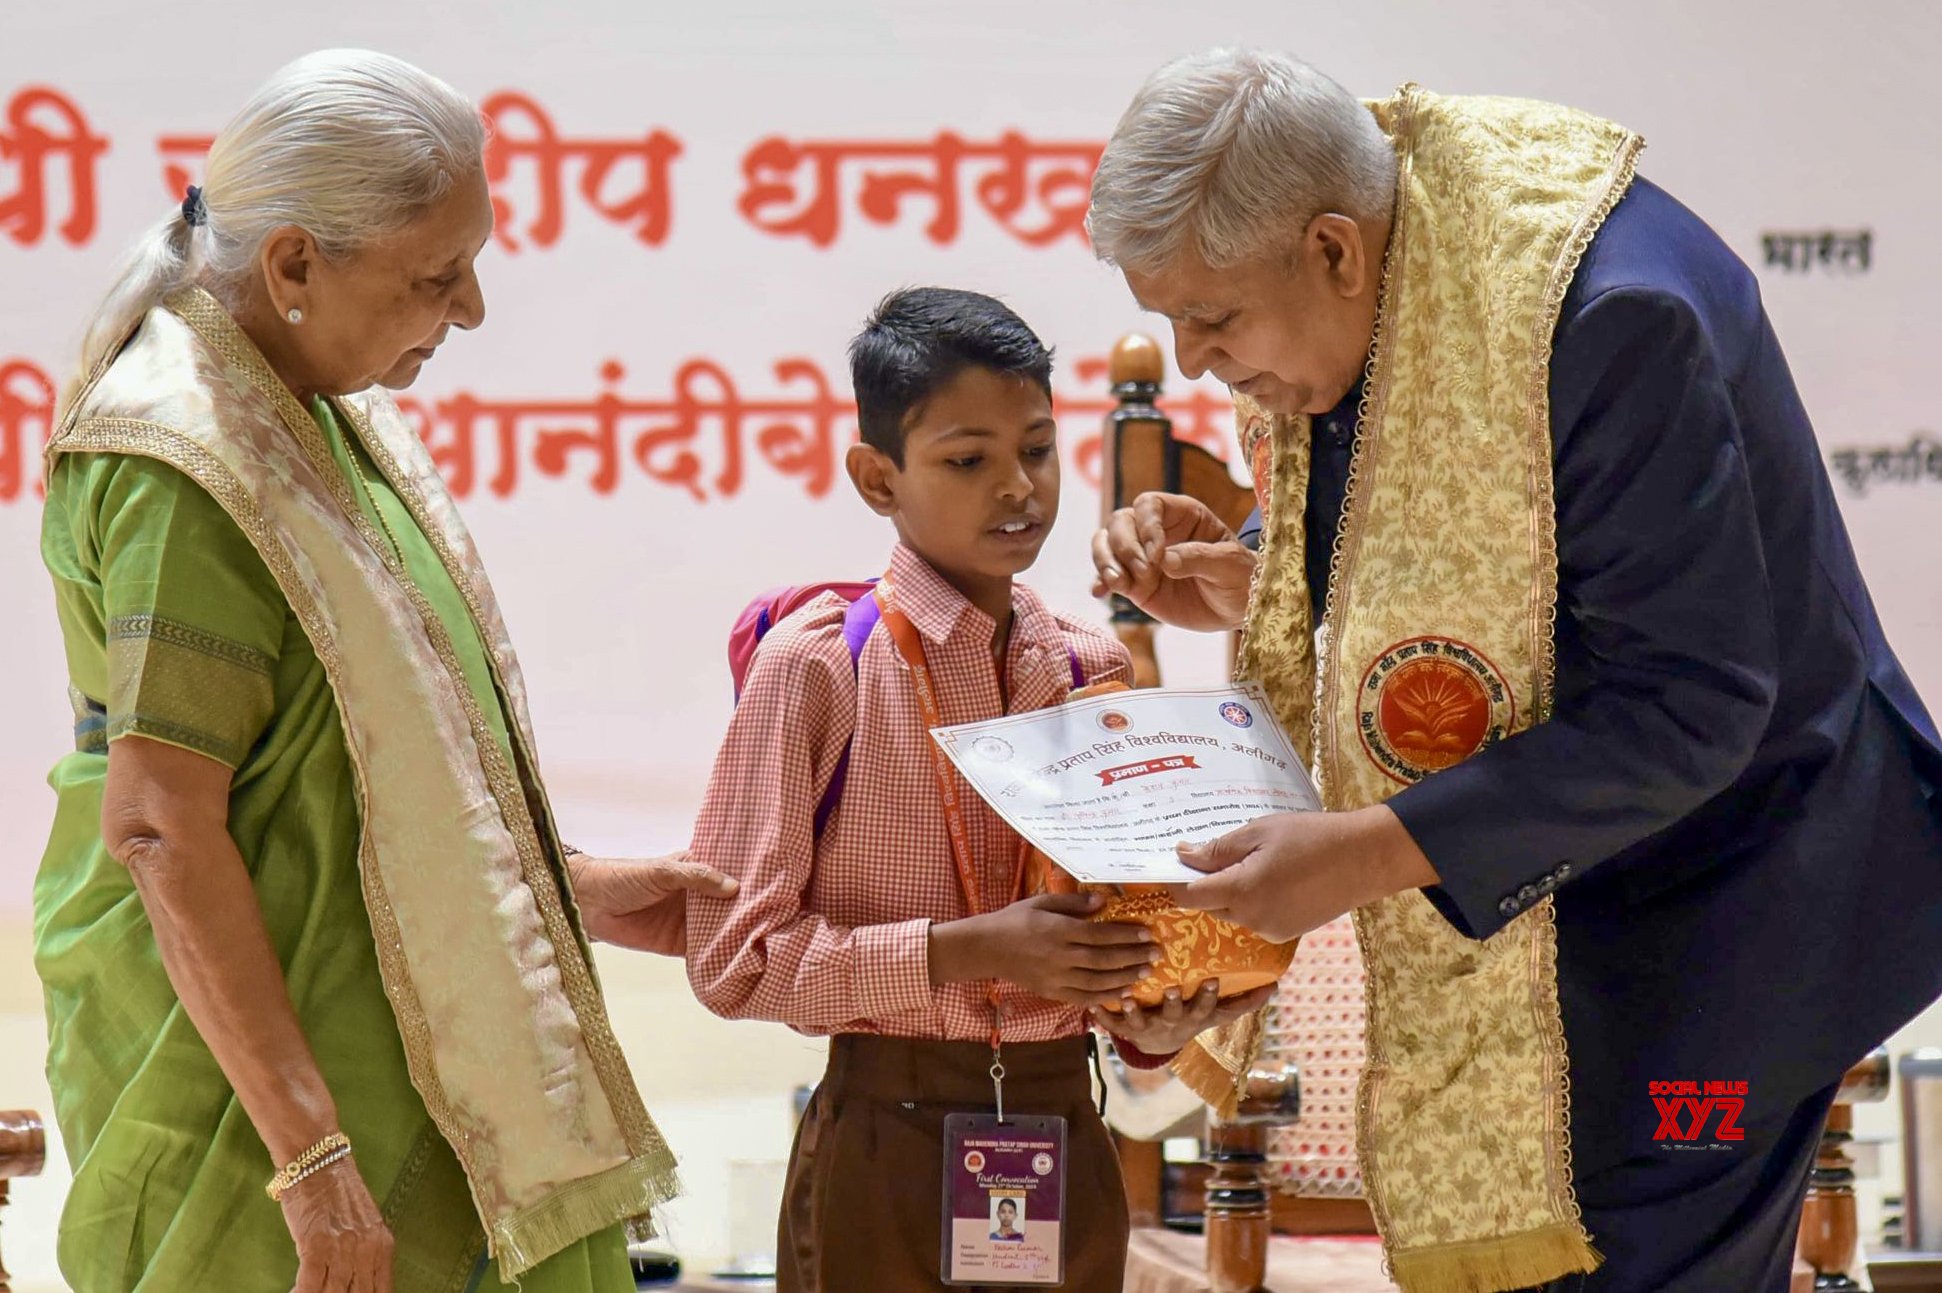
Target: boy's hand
<point x="1046" y="946"/>
<point x="1167" y="1028"/>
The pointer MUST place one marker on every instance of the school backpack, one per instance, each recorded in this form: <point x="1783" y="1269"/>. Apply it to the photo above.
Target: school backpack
<point x="777" y="604"/>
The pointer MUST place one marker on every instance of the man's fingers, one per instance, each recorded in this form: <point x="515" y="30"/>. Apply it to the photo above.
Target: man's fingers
<point x="1108" y="577"/>
<point x="1150" y="513"/>
<point x="1245" y="1004"/>
<point x="1221" y="852"/>
<point x="1222" y="563"/>
<point x="1214" y="894"/>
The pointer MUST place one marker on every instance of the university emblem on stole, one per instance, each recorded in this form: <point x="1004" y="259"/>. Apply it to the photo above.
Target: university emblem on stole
<point x="1428" y="703"/>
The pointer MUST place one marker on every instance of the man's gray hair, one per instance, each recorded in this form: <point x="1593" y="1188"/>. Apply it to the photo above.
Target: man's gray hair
<point x="1230" y="154"/>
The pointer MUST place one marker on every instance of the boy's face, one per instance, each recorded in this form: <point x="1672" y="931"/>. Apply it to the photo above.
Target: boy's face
<point x="979" y="486"/>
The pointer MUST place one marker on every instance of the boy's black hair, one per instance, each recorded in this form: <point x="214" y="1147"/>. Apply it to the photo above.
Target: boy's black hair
<point x="918" y="339"/>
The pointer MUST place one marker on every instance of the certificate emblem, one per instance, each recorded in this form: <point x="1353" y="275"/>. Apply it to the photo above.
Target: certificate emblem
<point x="992" y="749"/>
<point x="1114" y="721"/>
<point x="1237" y="714"/>
<point x="1042" y="1164"/>
<point x="974" y="1161"/>
<point x="1429" y="703"/>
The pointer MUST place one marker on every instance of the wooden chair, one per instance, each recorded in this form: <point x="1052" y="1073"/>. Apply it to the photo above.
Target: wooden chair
<point x="1140" y="454"/>
<point x="1230" y="1192"/>
<point x="23" y="1152"/>
<point x="1830" y="1234"/>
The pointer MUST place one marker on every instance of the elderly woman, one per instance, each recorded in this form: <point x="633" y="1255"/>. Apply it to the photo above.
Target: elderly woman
<point x="305" y="918"/>
<point x="1554" y="588"/>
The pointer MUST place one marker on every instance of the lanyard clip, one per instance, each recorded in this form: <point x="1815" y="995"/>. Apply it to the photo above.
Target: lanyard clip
<point x="998" y="1082"/>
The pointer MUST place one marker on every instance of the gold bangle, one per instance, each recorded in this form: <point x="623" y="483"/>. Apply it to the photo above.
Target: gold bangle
<point x="330" y="1149"/>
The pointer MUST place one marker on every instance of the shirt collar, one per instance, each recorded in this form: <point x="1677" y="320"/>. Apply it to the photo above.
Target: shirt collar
<point x="939" y="611"/>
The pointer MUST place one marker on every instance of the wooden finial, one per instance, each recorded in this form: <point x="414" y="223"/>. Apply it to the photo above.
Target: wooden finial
<point x="1137" y="358"/>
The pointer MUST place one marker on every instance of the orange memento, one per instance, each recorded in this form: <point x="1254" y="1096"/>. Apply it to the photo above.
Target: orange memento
<point x="1195" y="946"/>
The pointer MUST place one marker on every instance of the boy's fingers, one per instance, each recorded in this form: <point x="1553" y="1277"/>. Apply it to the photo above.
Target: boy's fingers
<point x="1105" y="982"/>
<point x="1108" y="933"/>
<point x="1121" y="956"/>
<point x="1067" y="904"/>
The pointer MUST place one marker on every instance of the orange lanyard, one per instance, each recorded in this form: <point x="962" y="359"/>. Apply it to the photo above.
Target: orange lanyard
<point x="910" y="645"/>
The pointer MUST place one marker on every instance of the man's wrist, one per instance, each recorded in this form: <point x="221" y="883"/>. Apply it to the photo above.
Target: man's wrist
<point x="1403" y="862"/>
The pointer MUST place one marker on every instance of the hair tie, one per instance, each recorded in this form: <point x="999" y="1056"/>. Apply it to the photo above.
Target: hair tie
<point x="194" y="210"/>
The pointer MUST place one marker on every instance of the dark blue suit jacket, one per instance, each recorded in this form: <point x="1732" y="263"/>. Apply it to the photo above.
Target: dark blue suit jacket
<point x="1736" y="800"/>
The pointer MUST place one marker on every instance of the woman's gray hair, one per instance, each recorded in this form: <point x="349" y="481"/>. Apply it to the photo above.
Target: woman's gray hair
<point x="349" y="145"/>
<point x="1230" y="154"/>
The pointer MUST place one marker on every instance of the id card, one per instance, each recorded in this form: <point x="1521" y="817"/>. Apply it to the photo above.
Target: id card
<point x="1004" y="1200"/>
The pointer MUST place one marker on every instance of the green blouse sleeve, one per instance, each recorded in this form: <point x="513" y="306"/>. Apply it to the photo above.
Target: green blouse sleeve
<point x="192" y="619"/>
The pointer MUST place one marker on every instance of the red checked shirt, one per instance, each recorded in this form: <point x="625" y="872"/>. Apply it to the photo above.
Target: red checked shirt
<point x="832" y="935"/>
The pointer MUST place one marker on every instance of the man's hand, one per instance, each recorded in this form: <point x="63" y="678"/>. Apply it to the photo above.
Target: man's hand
<point x="1166" y="1029"/>
<point x="1288" y="873"/>
<point x="1174" y="559"/>
<point x="642" y="903"/>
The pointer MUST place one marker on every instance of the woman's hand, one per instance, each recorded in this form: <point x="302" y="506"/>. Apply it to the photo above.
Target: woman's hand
<point x="642" y="903"/>
<point x="1167" y="1028"/>
<point x="343" y="1245"/>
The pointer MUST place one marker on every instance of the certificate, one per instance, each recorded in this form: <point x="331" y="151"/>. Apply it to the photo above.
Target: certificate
<point x="1108" y="785"/>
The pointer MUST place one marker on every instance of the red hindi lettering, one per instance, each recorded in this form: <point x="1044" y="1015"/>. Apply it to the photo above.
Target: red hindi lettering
<point x="26" y="423"/>
<point x="42" y="124"/>
<point x="802" y="442"/>
<point x="1036" y="192"/>
<point x="885" y="188"/>
<point x="699" y="438"/>
<point x="542" y="147"/>
<point x="703" y="391"/>
<point x="553" y="444"/>
<point x="182" y="157"/>
<point x="770" y="169"/>
<point x="1058" y="176"/>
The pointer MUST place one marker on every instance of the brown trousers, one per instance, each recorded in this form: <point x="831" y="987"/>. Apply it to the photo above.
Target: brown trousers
<point x="862" y="1209"/>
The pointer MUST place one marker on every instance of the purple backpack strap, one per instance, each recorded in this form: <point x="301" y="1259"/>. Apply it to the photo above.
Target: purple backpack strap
<point x="858" y="623"/>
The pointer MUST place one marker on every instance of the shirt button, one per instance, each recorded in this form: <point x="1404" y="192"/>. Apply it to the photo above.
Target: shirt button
<point x="1527" y="895"/>
<point x="1563" y="871"/>
<point x="1507" y="908"/>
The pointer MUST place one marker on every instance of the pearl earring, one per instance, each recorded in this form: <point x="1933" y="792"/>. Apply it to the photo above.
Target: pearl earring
<point x="295" y="315"/>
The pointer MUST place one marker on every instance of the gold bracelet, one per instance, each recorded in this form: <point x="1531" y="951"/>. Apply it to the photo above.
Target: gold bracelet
<point x="330" y="1149"/>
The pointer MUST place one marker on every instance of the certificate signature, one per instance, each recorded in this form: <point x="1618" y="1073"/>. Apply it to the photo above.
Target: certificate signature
<point x="1108" y="786"/>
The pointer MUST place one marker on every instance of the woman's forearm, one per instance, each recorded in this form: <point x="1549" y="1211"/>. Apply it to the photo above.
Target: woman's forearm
<point x="165" y="823"/>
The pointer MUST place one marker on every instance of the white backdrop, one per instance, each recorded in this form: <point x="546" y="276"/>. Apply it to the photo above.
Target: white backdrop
<point x="1770" y="117"/>
<point x="1766" y="117"/>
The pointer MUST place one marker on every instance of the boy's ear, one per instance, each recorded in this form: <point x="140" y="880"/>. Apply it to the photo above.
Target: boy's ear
<point x="874" y="476"/>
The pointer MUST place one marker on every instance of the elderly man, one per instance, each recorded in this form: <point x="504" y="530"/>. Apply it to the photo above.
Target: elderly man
<point x="1625" y="785"/>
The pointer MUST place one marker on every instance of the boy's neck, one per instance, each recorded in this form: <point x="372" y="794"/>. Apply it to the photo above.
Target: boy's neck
<point x="989" y="593"/>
